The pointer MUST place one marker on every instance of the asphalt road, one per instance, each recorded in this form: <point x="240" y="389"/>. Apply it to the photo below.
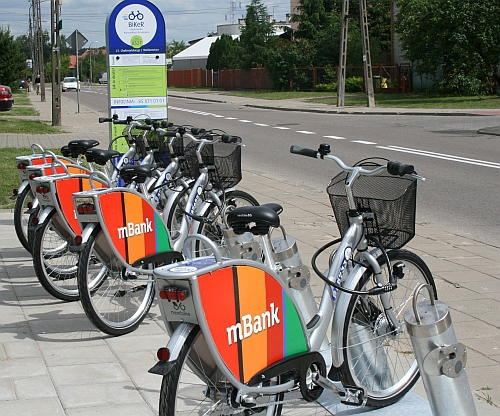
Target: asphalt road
<point x="461" y="167"/>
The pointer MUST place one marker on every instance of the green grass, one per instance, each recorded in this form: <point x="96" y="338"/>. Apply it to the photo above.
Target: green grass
<point x="21" y="99"/>
<point x="421" y="100"/>
<point x="8" y="173"/>
<point x="20" y="111"/>
<point x="12" y="125"/>
<point x="410" y="100"/>
<point x="282" y="95"/>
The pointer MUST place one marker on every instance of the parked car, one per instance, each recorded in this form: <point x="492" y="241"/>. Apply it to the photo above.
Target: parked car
<point x="104" y="78"/>
<point x="23" y="84"/>
<point x="6" y="99"/>
<point x="70" y="83"/>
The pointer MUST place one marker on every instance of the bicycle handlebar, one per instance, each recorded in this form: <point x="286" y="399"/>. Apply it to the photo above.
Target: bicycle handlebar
<point x="393" y="167"/>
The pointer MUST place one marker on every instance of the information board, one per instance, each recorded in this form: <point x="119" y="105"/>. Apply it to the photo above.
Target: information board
<point x="136" y="59"/>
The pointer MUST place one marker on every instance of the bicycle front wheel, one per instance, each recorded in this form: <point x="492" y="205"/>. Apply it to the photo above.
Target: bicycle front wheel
<point x="213" y="227"/>
<point x="194" y="386"/>
<point x="115" y="302"/>
<point x="377" y="357"/>
<point x="21" y="218"/>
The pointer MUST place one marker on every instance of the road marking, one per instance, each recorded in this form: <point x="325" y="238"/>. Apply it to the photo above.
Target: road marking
<point x="305" y="132"/>
<point x="335" y="137"/>
<point x="261" y="124"/>
<point x="442" y="156"/>
<point x="362" y="142"/>
<point x="282" y="128"/>
<point x="245" y="121"/>
<point x="218" y="116"/>
<point x="231" y="118"/>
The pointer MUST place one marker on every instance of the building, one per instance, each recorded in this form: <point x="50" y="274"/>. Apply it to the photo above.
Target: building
<point x="196" y="55"/>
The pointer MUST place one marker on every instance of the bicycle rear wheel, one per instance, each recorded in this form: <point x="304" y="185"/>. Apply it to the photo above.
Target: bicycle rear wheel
<point x="195" y="386"/>
<point x="55" y="266"/>
<point x="114" y="302"/>
<point x="21" y="218"/>
<point x="213" y="227"/>
<point x="376" y="357"/>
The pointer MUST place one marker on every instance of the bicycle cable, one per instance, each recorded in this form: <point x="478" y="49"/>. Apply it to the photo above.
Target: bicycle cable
<point x="374" y="291"/>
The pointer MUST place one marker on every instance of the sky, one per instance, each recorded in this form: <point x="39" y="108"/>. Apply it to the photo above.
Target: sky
<point x="185" y="19"/>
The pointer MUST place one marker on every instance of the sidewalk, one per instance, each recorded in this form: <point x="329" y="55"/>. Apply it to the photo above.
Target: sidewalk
<point x="53" y="362"/>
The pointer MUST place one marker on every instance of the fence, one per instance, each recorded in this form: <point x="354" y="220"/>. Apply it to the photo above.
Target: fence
<point x="386" y="78"/>
<point x="229" y="79"/>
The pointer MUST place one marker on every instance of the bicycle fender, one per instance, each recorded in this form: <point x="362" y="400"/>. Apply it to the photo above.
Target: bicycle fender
<point x="174" y="346"/>
<point x="87" y="231"/>
<point x="44" y="214"/>
<point x="20" y="189"/>
<point x="339" y="316"/>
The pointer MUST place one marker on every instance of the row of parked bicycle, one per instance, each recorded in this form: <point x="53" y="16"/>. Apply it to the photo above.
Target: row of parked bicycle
<point x="163" y="216"/>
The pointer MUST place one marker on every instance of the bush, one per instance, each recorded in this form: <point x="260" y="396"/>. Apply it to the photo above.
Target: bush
<point x="354" y="84"/>
<point x="332" y="87"/>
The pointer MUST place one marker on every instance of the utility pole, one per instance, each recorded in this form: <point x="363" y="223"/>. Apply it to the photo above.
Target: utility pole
<point x="367" y="62"/>
<point x="55" y="10"/>
<point x="38" y="34"/>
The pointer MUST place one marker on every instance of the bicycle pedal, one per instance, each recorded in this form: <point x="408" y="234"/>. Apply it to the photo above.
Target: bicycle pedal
<point x="353" y="396"/>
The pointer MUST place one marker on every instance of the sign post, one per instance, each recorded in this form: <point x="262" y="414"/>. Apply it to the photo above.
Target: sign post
<point x="77" y="40"/>
<point x="136" y="61"/>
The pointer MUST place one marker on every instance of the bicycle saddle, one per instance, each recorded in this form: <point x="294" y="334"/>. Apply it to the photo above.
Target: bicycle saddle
<point x="100" y="156"/>
<point x="65" y="151"/>
<point x="258" y="220"/>
<point x="136" y="173"/>
<point x="80" y="147"/>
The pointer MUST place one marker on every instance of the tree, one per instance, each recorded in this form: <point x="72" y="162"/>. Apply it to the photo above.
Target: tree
<point x="225" y="53"/>
<point x="454" y="39"/>
<point x="284" y="55"/>
<point x="255" y="34"/>
<point x="174" y="47"/>
<point x="12" y="61"/>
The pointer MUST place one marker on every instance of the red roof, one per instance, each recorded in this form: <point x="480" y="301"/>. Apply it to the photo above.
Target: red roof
<point x="72" y="58"/>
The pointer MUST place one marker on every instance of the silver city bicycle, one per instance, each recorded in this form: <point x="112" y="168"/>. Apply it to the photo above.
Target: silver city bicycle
<point x="247" y="335"/>
<point x="124" y="237"/>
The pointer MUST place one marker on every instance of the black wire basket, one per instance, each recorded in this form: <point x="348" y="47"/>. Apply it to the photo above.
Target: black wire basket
<point x="223" y="161"/>
<point x="179" y="144"/>
<point x="159" y="146"/>
<point x="392" y="200"/>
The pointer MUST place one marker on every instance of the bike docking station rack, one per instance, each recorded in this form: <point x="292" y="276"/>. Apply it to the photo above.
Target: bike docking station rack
<point x="440" y="357"/>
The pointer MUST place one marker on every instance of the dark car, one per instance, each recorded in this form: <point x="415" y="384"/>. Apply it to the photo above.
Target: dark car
<point x="23" y="84"/>
<point x="6" y="99"/>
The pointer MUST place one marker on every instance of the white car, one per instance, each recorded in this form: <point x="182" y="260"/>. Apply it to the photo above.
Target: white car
<point x="70" y="83"/>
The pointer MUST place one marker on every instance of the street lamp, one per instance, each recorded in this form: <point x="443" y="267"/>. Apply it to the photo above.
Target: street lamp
<point x="90" y="58"/>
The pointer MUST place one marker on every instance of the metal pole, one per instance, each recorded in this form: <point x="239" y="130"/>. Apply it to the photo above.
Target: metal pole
<point x="77" y="74"/>
<point x="40" y="52"/>
<point x="90" y="59"/>
<point x="56" y="66"/>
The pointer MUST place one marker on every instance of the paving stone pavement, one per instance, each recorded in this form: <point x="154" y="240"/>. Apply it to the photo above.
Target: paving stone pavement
<point x="53" y="362"/>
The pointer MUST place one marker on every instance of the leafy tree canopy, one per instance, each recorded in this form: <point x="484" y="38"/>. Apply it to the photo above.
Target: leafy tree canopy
<point x="458" y="39"/>
<point x="12" y="61"/>
<point x="225" y="53"/>
<point x="255" y="34"/>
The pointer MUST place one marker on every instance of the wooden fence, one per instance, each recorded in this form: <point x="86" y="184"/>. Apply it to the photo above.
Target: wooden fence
<point x="229" y="79"/>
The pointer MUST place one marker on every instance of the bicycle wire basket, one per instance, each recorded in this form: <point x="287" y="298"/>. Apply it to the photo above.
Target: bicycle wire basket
<point x="223" y="161"/>
<point x="159" y="146"/>
<point x="178" y="145"/>
<point x="392" y="200"/>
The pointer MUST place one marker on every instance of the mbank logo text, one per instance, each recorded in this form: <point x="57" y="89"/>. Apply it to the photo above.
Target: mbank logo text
<point x="132" y="229"/>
